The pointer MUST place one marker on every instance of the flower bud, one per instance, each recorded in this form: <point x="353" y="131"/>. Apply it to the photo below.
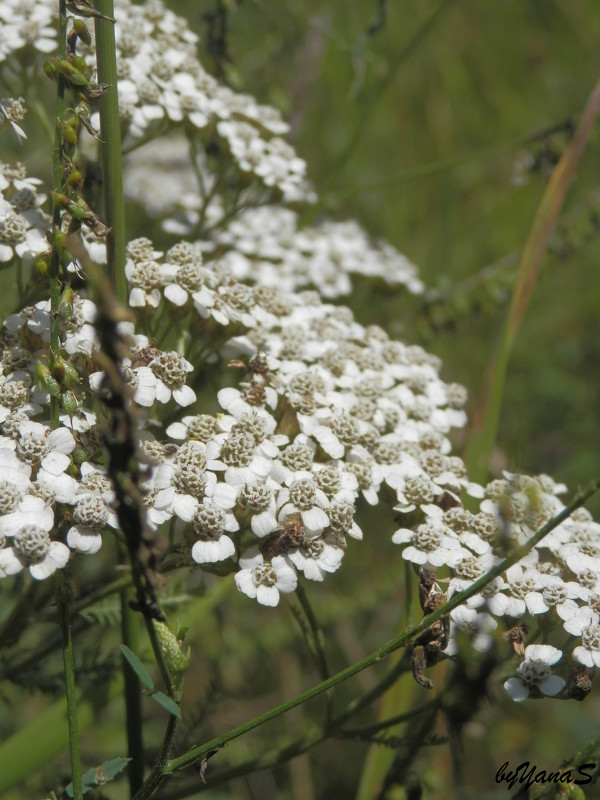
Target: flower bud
<point x="41" y="267"/>
<point x="69" y="135"/>
<point x="170" y="647"/>
<point x="82" y="31"/>
<point x="66" y="372"/>
<point x="79" y="455"/>
<point x="69" y="403"/>
<point x="65" y="305"/>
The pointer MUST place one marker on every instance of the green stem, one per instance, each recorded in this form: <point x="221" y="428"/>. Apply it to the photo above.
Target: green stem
<point x="64" y="620"/>
<point x="57" y="179"/>
<point x="159" y="770"/>
<point x="318" y="640"/>
<point x="133" y="695"/>
<point x="369" y="730"/>
<point x="112" y="168"/>
<point x="311" y="738"/>
<point x="385" y="650"/>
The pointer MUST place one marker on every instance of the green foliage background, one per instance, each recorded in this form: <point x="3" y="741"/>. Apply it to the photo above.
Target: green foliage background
<point x="414" y="129"/>
<point x="411" y="115"/>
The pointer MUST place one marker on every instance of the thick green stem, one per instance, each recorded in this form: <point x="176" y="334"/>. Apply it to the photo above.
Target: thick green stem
<point x="57" y="179"/>
<point x="64" y="620"/>
<point x="133" y="695"/>
<point x="385" y="650"/>
<point x="110" y="131"/>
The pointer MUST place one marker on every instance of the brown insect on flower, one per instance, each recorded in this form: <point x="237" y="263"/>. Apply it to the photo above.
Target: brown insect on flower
<point x="428" y="647"/>
<point x="289" y="535"/>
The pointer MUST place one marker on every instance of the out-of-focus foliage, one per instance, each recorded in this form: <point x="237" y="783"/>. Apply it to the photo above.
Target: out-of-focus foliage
<point x="436" y="125"/>
<point x="437" y="130"/>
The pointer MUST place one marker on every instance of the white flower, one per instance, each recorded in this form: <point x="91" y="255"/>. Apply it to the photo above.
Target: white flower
<point x="200" y="426"/>
<point x="17" y="236"/>
<point x="31" y="511"/>
<point x="432" y="543"/>
<point x="14" y="471"/>
<point x="211" y="524"/>
<point x="520" y="583"/>
<point x="91" y="515"/>
<point x="368" y="473"/>
<point x="13" y="110"/>
<point x="239" y="456"/>
<point x="588" y="652"/>
<point x="181" y="486"/>
<point x="305" y="497"/>
<point x="52" y="475"/>
<point x="265" y="580"/>
<point x="33" y="548"/>
<point x="557" y="594"/>
<point x="478" y="626"/>
<point x="170" y="369"/>
<point x="258" y="499"/>
<point x="535" y="672"/>
<point x="315" y="557"/>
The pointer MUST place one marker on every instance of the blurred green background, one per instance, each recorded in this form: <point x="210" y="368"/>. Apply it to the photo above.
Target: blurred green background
<point x="436" y="125"/>
<point x="420" y="119"/>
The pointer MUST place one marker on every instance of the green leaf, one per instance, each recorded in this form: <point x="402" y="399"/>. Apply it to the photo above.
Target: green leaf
<point x="98" y="776"/>
<point x="137" y="666"/>
<point x="166" y="702"/>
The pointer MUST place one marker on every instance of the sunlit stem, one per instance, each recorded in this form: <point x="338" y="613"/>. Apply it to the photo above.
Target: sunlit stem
<point x="110" y="131"/>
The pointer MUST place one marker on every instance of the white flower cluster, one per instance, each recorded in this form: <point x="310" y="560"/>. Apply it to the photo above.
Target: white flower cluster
<point x="264" y="245"/>
<point x="27" y="23"/>
<point x="162" y="84"/>
<point x="41" y="467"/>
<point x="559" y="577"/>
<point x="328" y="413"/>
<point x="22" y="222"/>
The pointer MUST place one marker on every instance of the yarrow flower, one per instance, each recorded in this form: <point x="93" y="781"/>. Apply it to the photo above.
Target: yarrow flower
<point x="265" y="580"/>
<point x="535" y="673"/>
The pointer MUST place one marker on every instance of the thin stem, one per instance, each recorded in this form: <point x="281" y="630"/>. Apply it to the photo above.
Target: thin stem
<point x="318" y="640"/>
<point x="311" y="738"/>
<point x="64" y="620"/>
<point x="317" y="645"/>
<point x="368" y="730"/>
<point x="385" y="650"/>
<point x="112" y="168"/>
<point x="159" y="770"/>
